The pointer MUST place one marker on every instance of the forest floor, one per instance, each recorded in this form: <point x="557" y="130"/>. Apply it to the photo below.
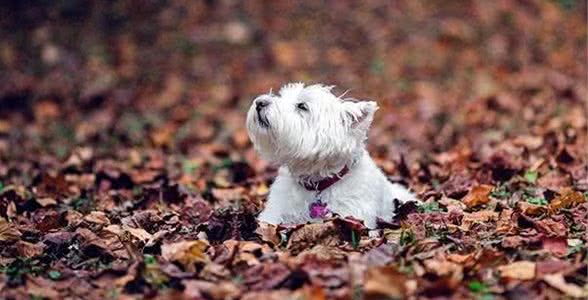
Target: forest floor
<point x="126" y="171"/>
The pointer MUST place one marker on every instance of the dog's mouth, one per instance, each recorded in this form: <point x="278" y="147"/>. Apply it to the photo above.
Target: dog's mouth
<point x="263" y="122"/>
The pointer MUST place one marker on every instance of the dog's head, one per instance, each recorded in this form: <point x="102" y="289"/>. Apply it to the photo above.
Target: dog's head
<point x="308" y="128"/>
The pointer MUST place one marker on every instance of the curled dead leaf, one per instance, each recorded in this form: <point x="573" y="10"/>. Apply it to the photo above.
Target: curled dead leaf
<point x="567" y="199"/>
<point x="531" y="209"/>
<point x="307" y="235"/>
<point x="445" y="268"/>
<point x="97" y="217"/>
<point x="186" y="253"/>
<point x="386" y="282"/>
<point x="268" y="233"/>
<point x="505" y="223"/>
<point x="522" y="270"/>
<point x="478" y="195"/>
<point x="139" y="233"/>
<point x="558" y="281"/>
<point x="199" y="289"/>
<point x="41" y="287"/>
<point x="558" y="245"/>
<point x="482" y="216"/>
<point x="46" y="201"/>
<point x="26" y="249"/>
<point x="8" y="231"/>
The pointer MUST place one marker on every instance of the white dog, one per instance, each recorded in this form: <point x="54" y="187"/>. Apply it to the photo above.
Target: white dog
<point x="318" y="140"/>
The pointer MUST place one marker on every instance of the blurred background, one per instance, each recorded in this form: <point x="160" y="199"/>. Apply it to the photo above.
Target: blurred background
<point x="135" y="79"/>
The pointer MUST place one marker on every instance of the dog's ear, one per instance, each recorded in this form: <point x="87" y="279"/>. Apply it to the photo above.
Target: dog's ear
<point x="359" y="115"/>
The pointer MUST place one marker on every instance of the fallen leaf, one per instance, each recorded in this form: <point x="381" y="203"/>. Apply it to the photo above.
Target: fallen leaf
<point x="531" y="209"/>
<point x="186" y="252"/>
<point x="558" y="281"/>
<point x="139" y="233"/>
<point x="521" y="270"/>
<point x="505" y="223"/>
<point x="312" y="234"/>
<point x="199" y="289"/>
<point x="97" y="217"/>
<point x="567" y="199"/>
<point x="556" y="245"/>
<point x="552" y="266"/>
<point x="482" y="216"/>
<point x="479" y="195"/>
<point x="46" y="201"/>
<point x="268" y="233"/>
<point x="266" y="276"/>
<point x="385" y="282"/>
<point x="41" y="287"/>
<point x="26" y="249"/>
<point x="452" y="272"/>
<point x="8" y="231"/>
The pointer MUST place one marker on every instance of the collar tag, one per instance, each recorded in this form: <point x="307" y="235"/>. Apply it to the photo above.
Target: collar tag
<point x="318" y="209"/>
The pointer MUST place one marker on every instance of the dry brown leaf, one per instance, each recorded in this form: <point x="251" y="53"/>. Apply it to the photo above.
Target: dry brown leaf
<point x="567" y="198"/>
<point x="522" y="270"/>
<point x="228" y="194"/>
<point x="186" y="252"/>
<point x="73" y="218"/>
<point x="26" y="249"/>
<point x="312" y="234"/>
<point x="558" y="281"/>
<point x="46" y="201"/>
<point x="97" y="217"/>
<point x="385" y="282"/>
<point x="505" y="223"/>
<point x="41" y="287"/>
<point x="198" y="289"/>
<point x="214" y="272"/>
<point x="452" y="204"/>
<point x="322" y="252"/>
<point x="462" y="259"/>
<point x="445" y="268"/>
<point x="8" y="231"/>
<point x="531" y="209"/>
<point x="558" y="245"/>
<point x="469" y="219"/>
<point x="479" y="195"/>
<point x="140" y="233"/>
<point x="268" y="233"/>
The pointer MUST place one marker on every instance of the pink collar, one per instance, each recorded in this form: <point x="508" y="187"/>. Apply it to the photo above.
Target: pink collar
<point x="324" y="183"/>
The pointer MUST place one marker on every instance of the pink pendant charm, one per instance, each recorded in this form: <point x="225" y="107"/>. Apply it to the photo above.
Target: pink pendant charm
<point x="317" y="209"/>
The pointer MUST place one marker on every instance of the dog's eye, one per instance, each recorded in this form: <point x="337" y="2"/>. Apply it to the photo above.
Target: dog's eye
<point x="302" y="106"/>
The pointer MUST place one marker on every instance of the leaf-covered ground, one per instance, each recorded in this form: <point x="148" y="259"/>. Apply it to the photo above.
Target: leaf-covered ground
<point x="126" y="171"/>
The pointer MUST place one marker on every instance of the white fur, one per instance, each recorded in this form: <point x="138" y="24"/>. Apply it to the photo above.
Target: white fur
<point x="317" y="143"/>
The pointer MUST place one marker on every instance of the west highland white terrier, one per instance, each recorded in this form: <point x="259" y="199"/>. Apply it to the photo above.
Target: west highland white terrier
<point x="318" y="140"/>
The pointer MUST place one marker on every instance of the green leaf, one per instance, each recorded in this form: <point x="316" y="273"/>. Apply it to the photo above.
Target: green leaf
<point x="149" y="259"/>
<point x="54" y="275"/>
<point x="354" y="239"/>
<point x="537" y="200"/>
<point x="477" y="287"/>
<point x="531" y="176"/>
<point x="500" y="192"/>
<point x="428" y="207"/>
<point x="407" y="237"/>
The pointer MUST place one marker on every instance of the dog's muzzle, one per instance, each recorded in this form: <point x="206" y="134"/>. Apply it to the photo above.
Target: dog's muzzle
<point x="261" y="105"/>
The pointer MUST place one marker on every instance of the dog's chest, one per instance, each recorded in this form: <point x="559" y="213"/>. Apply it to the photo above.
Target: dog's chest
<point x="343" y="199"/>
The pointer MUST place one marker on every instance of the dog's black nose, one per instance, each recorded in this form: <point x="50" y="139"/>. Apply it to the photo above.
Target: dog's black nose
<point x="261" y="103"/>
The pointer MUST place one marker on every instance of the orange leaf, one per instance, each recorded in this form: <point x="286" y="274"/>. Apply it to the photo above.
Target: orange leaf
<point x="478" y="195"/>
<point x="567" y="199"/>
